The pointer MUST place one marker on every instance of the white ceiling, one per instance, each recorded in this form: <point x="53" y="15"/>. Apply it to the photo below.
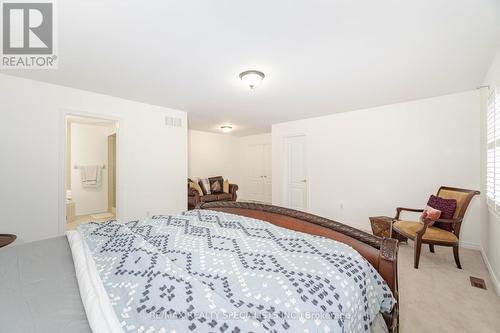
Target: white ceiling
<point x="319" y="56"/>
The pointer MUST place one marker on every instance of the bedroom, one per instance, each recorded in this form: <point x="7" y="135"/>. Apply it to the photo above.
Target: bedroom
<point x="357" y="108"/>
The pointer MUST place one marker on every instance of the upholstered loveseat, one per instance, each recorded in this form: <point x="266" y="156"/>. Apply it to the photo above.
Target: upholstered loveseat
<point x="195" y="198"/>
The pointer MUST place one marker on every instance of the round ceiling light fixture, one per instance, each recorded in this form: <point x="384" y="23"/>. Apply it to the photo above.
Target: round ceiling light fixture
<point x="252" y="78"/>
<point x="226" y="128"/>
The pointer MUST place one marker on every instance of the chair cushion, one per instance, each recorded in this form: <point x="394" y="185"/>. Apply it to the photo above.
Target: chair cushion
<point x="447" y="208"/>
<point x="224" y="196"/>
<point x="209" y="198"/>
<point x="410" y="228"/>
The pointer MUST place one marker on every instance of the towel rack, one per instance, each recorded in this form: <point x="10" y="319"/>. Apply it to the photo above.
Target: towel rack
<point x="79" y="166"/>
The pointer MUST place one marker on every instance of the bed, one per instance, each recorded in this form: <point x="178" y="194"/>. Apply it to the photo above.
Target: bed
<point x="110" y="275"/>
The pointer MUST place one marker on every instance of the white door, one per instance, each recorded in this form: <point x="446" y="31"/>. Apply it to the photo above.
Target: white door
<point x="255" y="173"/>
<point x="258" y="169"/>
<point x="296" y="173"/>
<point x="268" y="170"/>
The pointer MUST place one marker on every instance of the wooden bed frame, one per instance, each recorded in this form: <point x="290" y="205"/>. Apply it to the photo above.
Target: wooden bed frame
<point x="380" y="252"/>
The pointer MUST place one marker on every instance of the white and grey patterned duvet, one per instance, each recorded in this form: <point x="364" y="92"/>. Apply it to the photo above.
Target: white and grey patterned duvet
<point x="208" y="271"/>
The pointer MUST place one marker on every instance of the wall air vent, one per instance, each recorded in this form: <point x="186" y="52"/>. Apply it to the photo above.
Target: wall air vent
<point x="173" y="122"/>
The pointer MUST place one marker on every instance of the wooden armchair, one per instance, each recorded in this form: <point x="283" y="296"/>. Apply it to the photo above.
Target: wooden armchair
<point x="422" y="233"/>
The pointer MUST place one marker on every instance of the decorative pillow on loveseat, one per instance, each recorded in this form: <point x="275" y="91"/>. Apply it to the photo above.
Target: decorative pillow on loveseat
<point x="196" y="186"/>
<point x="447" y="208"/>
<point x="216" y="184"/>
<point x="205" y="185"/>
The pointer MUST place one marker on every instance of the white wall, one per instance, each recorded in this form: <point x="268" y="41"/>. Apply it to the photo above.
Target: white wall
<point x="152" y="158"/>
<point x="89" y="146"/>
<point x="491" y="229"/>
<point x="368" y="162"/>
<point x="212" y="154"/>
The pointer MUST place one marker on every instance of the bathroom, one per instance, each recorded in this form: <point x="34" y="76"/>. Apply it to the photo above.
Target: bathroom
<point x="90" y="170"/>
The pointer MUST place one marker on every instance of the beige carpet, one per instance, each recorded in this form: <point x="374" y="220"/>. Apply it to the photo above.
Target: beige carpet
<point x="438" y="297"/>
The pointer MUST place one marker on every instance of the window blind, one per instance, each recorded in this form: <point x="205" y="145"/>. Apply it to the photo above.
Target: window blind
<point x="493" y="149"/>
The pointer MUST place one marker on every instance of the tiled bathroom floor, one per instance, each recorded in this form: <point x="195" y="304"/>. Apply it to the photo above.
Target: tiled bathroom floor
<point x="85" y="219"/>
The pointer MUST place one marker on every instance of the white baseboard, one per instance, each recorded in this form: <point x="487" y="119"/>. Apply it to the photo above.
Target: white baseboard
<point x="470" y="246"/>
<point x="493" y="277"/>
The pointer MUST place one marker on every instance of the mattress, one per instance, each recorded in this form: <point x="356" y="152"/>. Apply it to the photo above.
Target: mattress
<point x="38" y="289"/>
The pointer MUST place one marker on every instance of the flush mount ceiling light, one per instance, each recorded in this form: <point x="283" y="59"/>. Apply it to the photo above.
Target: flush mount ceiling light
<point x="252" y="78"/>
<point x="226" y="128"/>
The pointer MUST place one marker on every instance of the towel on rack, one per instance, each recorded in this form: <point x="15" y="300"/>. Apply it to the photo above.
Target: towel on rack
<point x="90" y="176"/>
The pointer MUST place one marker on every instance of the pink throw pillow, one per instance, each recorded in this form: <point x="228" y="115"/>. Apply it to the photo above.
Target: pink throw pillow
<point x="431" y="214"/>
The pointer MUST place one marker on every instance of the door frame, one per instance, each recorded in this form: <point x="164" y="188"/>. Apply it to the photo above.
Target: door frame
<point x="64" y="113"/>
<point x="286" y="164"/>
<point x="110" y="206"/>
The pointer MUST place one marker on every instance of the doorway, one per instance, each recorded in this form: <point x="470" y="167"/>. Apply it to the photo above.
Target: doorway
<point x="91" y="164"/>
<point x="296" y="189"/>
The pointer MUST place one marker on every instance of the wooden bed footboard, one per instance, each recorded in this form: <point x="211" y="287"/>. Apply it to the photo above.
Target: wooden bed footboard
<point x="382" y="253"/>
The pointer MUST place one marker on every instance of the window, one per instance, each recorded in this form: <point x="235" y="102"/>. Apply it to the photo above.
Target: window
<point x="493" y="150"/>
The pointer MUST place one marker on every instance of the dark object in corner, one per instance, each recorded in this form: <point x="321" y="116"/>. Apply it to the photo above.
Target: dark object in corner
<point x="382" y="227"/>
<point x="6" y="239"/>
